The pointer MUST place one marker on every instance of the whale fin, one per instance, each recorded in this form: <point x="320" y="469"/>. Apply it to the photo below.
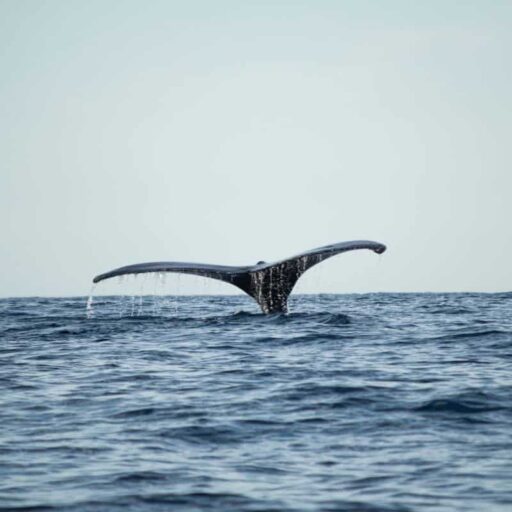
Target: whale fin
<point x="269" y="284"/>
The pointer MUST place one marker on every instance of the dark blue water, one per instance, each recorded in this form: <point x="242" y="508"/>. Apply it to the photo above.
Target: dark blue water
<point x="353" y="402"/>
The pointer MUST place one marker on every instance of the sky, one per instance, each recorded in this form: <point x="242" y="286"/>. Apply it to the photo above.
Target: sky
<point x="235" y="131"/>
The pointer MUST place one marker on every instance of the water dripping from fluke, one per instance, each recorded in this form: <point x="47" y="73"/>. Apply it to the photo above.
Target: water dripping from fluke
<point x="89" y="309"/>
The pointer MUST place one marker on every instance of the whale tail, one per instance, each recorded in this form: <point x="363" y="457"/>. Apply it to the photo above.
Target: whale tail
<point x="269" y="284"/>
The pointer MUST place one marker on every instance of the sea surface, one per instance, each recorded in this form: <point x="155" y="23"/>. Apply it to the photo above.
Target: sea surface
<point x="377" y="402"/>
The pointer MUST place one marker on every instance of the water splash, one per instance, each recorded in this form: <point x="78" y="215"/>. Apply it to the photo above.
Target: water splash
<point x="141" y="293"/>
<point x="89" y="309"/>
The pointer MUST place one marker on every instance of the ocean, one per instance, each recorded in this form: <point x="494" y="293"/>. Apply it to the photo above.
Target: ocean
<point x="374" y="403"/>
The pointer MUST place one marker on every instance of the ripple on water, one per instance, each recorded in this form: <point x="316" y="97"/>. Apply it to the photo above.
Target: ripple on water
<point x="378" y="402"/>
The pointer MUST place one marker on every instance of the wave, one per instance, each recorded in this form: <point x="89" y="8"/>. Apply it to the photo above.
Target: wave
<point x="475" y="402"/>
<point x="359" y="403"/>
<point x="494" y="334"/>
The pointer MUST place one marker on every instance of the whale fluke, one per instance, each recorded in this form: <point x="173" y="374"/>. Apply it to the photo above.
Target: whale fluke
<point x="270" y="284"/>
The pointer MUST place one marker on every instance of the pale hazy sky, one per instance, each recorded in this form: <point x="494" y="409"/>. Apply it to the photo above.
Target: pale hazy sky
<point x="236" y="131"/>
